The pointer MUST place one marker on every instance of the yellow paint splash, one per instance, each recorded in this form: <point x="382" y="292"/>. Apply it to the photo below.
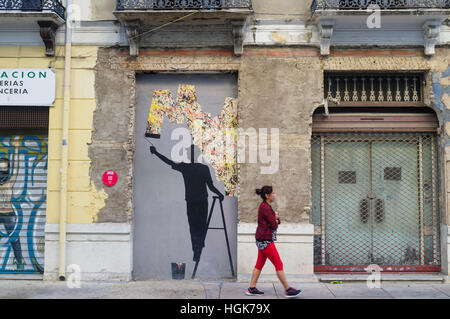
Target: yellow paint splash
<point x="277" y="38"/>
<point x="96" y="203"/>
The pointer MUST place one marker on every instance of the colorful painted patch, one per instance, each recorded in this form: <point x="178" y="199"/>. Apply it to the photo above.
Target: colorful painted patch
<point x="216" y="137"/>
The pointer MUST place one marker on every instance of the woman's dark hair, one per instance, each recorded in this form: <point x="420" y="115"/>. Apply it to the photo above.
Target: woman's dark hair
<point x="263" y="191"/>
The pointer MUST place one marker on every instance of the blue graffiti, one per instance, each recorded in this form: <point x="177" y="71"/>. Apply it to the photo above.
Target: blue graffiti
<point x="28" y="157"/>
<point x="439" y="91"/>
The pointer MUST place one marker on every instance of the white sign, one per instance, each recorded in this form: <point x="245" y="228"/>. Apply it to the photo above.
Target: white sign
<point x="30" y="87"/>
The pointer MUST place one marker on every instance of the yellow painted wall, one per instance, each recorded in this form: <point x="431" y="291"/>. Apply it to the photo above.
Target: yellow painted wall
<point x="84" y="201"/>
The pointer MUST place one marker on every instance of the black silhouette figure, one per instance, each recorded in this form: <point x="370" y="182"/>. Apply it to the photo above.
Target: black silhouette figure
<point x="196" y="178"/>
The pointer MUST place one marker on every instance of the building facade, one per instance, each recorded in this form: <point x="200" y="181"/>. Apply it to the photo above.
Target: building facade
<point x="340" y="106"/>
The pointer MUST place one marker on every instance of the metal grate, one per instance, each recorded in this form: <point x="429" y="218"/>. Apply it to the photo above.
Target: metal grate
<point x="27" y="117"/>
<point x="389" y="216"/>
<point x="374" y="88"/>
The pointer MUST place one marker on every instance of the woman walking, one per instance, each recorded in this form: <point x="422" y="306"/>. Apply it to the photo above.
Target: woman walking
<point x="265" y="236"/>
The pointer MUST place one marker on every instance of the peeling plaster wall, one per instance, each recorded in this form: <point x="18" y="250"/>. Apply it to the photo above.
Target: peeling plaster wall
<point x="113" y="141"/>
<point x="112" y="138"/>
<point x="281" y="88"/>
<point x="279" y="93"/>
<point x="278" y="88"/>
<point x="84" y="199"/>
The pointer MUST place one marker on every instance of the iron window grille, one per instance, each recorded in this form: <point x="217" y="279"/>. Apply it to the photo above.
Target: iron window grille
<point x="374" y="88"/>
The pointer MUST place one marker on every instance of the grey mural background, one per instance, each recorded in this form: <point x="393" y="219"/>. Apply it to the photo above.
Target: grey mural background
<point x="161" y="227"/>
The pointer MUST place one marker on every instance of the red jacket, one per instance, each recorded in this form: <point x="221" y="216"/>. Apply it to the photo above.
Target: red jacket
<point x="267" y="221"/>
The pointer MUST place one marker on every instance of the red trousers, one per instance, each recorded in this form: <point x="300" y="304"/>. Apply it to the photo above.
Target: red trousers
<point x="271" y="253"/>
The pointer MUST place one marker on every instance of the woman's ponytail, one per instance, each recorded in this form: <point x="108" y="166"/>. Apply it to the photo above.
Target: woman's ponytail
<point x="263" y="191"/>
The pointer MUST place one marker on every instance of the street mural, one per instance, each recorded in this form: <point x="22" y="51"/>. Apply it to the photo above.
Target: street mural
<point x="216" y="140"/>
<point x="23" y="174"/>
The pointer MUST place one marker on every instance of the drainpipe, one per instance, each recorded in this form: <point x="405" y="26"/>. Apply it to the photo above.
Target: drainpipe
<point x="65" y="146"/>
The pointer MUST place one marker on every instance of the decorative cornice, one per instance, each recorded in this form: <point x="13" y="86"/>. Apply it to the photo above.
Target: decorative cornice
<point x="263" y="33"/>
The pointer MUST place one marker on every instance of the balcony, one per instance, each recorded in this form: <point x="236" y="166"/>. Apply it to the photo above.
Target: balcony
<point x="379" y="22"/>
<point x="382" y="4"/>
<point x="186" y="19"/>
<point x="183" y="4"/>
<point x="48" y="15"/>
<point x="33" y="8"/>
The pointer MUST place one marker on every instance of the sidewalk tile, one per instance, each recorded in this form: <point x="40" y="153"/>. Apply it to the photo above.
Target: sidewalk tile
<point x="379" y="297"/>
<point x="444" y="288"/>
<point x="420" y="291"/>
<point x="212" y="289"/>
<point x="359" y="290"/>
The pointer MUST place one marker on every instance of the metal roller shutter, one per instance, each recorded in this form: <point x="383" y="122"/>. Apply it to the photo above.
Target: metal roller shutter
<point x="23" y="192"/>
<point x="375" y="122"/>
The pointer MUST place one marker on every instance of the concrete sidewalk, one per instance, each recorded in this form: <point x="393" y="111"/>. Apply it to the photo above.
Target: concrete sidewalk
<point x="195" y="289"/>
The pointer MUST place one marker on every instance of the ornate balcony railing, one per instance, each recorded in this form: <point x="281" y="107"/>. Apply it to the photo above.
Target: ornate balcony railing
<point x="373" y="88"/>
<point x="183" y="4"/>
<point x="383" y="4"/>
<point x="33" y="5"/>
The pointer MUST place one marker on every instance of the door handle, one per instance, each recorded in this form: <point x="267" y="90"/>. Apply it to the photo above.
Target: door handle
<point x="379" y="210"/>
<point x="364" y="210"/>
